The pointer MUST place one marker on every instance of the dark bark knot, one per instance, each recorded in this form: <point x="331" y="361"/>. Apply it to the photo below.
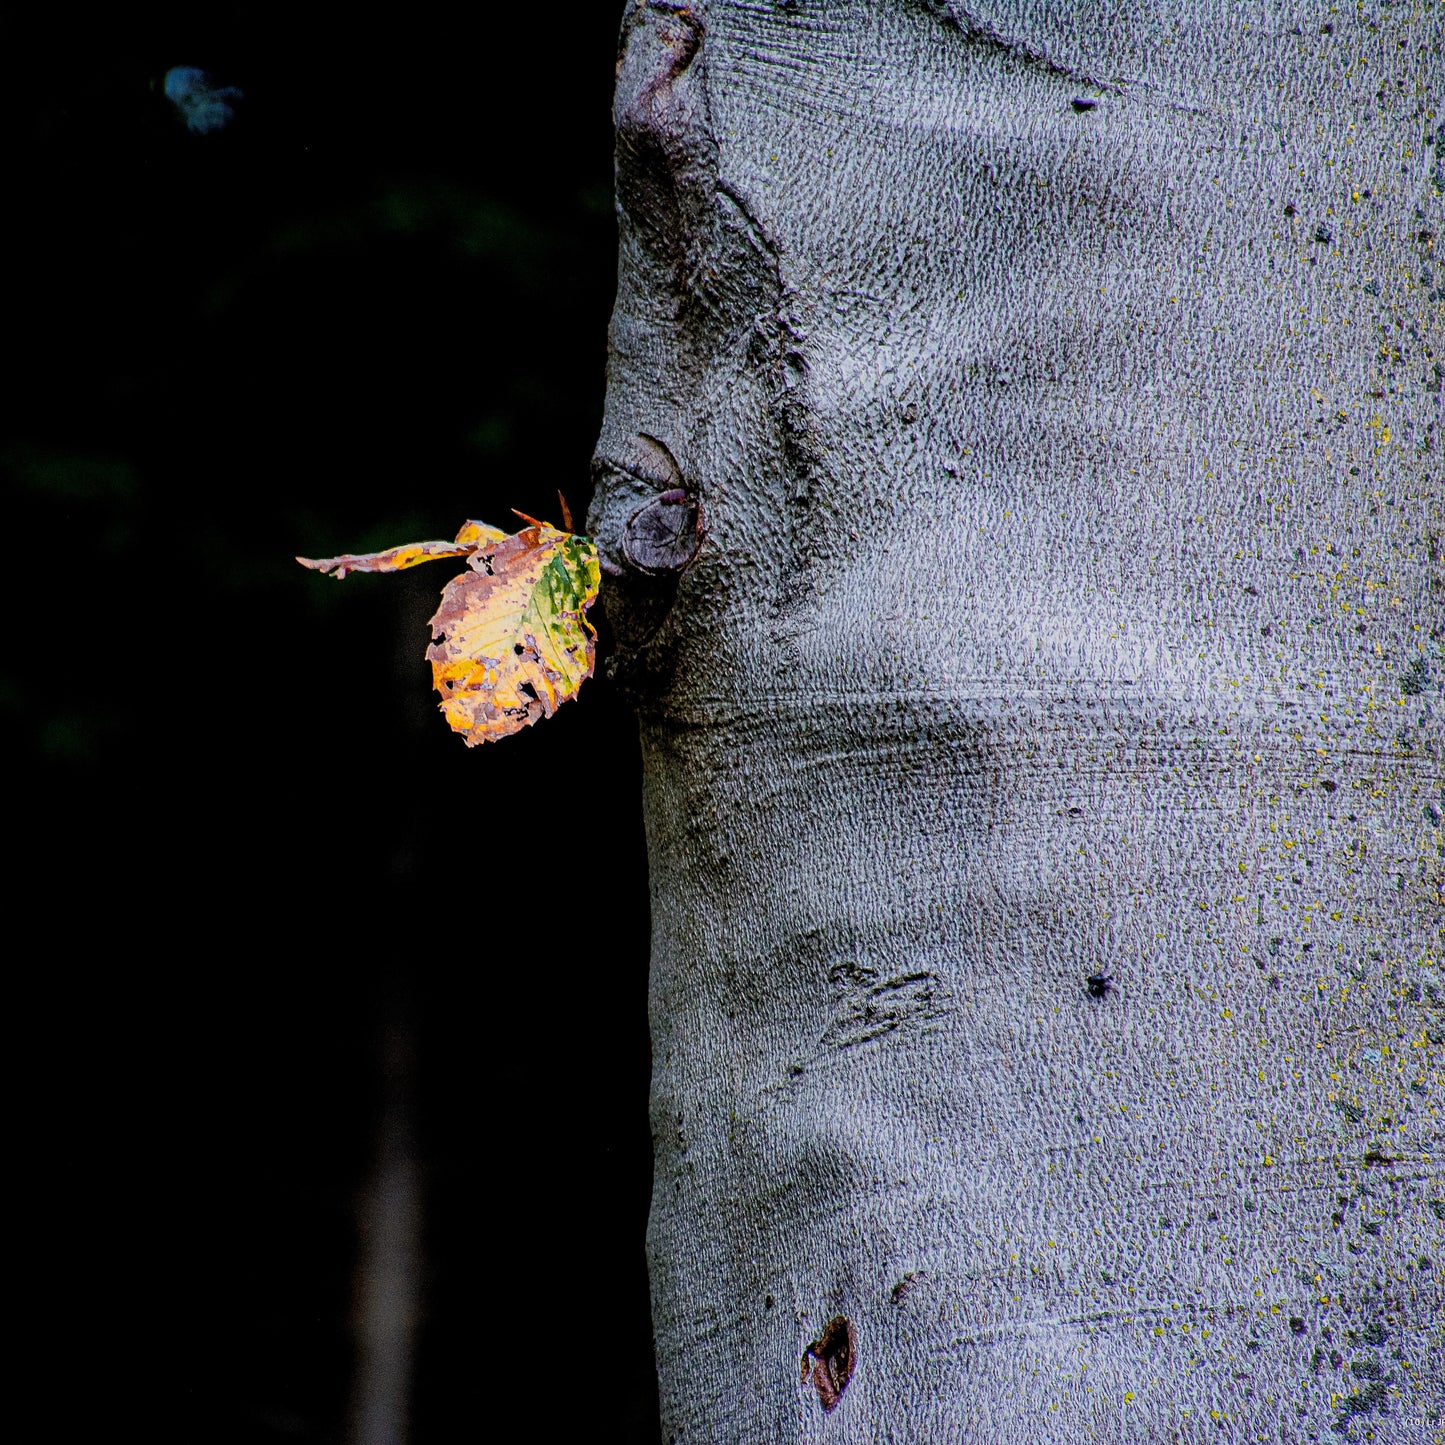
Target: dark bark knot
<point x="664" y="151"/>
<point x="663" y="534"/>
<point x="647" y="521"/>
<point x="830" y="1360"/>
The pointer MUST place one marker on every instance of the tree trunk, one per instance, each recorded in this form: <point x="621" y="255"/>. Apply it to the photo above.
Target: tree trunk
<point x="1021" y="493"/>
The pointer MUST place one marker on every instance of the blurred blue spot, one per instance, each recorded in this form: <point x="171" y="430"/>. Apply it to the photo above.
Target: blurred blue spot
<point x="204" y="106"/>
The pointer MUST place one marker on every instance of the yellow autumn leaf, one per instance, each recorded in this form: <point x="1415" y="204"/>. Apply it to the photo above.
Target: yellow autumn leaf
<point x="511" y="639"/>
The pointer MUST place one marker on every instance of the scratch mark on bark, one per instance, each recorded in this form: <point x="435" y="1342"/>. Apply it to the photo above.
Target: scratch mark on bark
<point x="866" y="1007"/>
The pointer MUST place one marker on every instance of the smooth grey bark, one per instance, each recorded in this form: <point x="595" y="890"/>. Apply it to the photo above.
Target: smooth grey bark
<point x="1055" y="393"/>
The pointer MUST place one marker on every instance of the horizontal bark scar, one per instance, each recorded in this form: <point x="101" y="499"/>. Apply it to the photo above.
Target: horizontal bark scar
<point x="866" y="1006"/>
<point x="980" y="32"/>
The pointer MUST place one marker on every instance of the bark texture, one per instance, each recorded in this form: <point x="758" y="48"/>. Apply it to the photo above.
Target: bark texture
<point x="1043" y="745"/>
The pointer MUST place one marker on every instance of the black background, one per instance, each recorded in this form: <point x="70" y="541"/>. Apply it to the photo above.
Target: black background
<point x="373" y="305"/>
